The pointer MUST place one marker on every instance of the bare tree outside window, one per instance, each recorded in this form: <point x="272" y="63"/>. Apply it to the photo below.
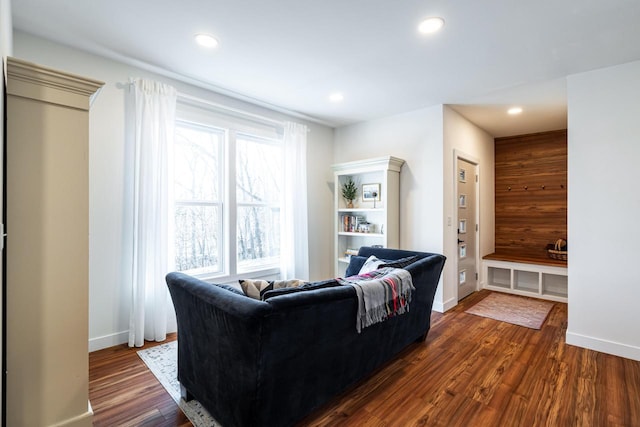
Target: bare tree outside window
<point x="258" y="195"/>
<point x="197" y="194"/>
<point x="200" y="215"/>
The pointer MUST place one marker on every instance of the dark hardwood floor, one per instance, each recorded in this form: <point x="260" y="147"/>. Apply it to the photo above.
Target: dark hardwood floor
<point x="471" y="371"/>
<point x="123" y="392"/>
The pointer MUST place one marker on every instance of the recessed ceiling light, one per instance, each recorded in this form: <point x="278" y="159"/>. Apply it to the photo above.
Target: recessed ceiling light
<point x="514" y="110"/>
<point x="336" y="97"/>
<point x="206" y="40"/>
<point x="431" y="25"/>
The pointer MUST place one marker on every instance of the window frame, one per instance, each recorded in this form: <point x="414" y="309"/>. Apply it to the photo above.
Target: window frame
<point x="220" y="202"/>
<point x="205" y="118"/>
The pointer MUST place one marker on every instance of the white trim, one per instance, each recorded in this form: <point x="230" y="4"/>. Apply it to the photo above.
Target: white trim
<point x="81" y="420"/>
<point x="446" y="306"/>
<point x="107" y="341"/>
<point x="182" y="97"/>
<point x="604" y="346"/>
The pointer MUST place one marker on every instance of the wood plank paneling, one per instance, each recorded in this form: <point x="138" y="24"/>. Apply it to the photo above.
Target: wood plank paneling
<point x="530" y="192"/>
<point x="471" y="371"/>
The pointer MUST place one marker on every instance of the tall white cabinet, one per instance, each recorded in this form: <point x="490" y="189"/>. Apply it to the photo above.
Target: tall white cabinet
<point x="368" y="222"/>
<point x="47" y="253"/>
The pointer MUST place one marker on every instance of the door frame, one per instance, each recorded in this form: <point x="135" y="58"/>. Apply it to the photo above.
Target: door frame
<point x="458" y="154"/>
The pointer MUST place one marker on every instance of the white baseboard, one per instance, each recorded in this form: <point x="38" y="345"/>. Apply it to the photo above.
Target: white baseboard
<point x="442" y="307"/>
<point x="107" y="341"/>
<point x="604" y="346"/>
<point x="82" y="420"/>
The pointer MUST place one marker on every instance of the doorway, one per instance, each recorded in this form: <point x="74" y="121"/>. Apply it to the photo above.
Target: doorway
<point x="467" y="225"/>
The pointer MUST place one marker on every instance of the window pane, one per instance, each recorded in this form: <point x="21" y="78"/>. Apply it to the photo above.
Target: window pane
<point x="258" y="170"/>
<point x="197" y="163"/>
<point x="198" y="239"/>
<point x="258" y="186"/>
<point x="258" y="236"/>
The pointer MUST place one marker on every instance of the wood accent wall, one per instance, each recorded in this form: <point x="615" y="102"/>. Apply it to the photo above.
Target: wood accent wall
<point x="531" y="192"/>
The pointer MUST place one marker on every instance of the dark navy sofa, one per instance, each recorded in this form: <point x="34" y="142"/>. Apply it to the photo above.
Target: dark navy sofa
<point x="270" y="363"/>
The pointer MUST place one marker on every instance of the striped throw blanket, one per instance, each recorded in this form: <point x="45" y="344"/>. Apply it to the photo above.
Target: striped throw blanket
<point x="382" y="293"/>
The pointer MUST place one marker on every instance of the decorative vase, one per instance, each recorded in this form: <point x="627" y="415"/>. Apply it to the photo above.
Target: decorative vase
<point x="350" y="204"/>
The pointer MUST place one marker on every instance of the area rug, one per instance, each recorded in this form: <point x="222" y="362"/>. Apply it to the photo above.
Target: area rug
<point x="162" y="361"/>
<point x="521" y="311"/>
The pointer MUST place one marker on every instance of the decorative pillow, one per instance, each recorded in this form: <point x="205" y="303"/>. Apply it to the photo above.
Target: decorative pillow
<point x="400" y="262"/>
<point x="256" y="289"/>
<point x="372" y="263"/>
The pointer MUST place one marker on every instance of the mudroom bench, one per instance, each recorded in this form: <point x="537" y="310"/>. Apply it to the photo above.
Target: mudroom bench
<point x="527" y="275"/>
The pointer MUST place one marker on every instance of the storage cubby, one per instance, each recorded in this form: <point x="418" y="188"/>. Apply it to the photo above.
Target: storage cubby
<point x="500" y="277"/>
<point x="526" y="280"/>
<point x="554" y="284"/>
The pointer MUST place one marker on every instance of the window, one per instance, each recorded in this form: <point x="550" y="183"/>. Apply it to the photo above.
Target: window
<point x="258" y="191"/>
<point x="227" y="197"/>
<point x="198" y="199"/>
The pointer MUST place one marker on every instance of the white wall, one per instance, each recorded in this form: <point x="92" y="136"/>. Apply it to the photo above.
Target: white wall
<point x="426" y="140"/>
<point x="603" y="206"/>
<point x="110" y="189"/>
<point x="6" y="29"/>
<point x="416" y="137"/>
<point x="462" y="136"/>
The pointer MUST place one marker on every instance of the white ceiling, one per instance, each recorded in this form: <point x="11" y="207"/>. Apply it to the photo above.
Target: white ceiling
<point x="293" y="53"/>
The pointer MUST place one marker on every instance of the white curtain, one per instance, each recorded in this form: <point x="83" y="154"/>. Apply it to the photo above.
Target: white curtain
<point x="155" y="111"/>
<point x="294" y="243"/>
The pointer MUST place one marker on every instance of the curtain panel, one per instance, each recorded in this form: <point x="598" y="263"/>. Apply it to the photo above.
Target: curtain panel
<point x="154" y="122"/>
<point x="294" y="254"/>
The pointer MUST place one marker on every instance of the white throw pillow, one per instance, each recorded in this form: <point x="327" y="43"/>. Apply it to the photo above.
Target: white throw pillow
<point x="370" y="264"/>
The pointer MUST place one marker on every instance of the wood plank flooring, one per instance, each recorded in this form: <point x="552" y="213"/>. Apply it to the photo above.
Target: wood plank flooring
<point x="471" y="371"/>
<point x="123" y="392"/>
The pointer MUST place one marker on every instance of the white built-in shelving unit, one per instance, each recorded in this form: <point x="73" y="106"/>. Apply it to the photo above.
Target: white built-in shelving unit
<point x="380" y="217"/>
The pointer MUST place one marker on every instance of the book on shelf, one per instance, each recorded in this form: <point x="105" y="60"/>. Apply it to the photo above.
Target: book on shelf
<point x="350" y="223"/>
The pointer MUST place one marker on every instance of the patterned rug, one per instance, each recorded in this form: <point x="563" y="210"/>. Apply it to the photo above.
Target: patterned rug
<point x="162" y="361"/>
<point x="513" y="309"/>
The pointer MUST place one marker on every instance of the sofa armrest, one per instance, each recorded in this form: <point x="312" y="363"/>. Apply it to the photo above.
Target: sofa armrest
<point x="218" y="328"/>
<point x="230" y="302"/>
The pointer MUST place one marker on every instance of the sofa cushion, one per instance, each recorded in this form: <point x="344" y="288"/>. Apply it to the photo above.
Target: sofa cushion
<point x="230" y="288"/>
<point x="256" y="289"/>
<point x="305" y="287"/>
<point x="400" y="263"/>
<point x="356" y="262"/>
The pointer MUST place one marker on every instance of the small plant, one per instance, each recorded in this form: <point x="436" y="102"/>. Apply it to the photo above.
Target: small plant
<point x="349" y="190"/>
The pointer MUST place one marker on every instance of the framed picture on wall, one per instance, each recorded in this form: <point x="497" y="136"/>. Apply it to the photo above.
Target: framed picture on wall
<point x="370" y="192"/>
<point x="462" y="175"/>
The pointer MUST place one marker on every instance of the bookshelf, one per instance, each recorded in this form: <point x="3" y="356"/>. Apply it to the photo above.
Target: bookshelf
<point x="368" y="222"/>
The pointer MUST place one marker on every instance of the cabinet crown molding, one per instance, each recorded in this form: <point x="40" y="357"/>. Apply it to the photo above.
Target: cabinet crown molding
<point x="387" y="162"/>
<point x="28" y="80"/>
